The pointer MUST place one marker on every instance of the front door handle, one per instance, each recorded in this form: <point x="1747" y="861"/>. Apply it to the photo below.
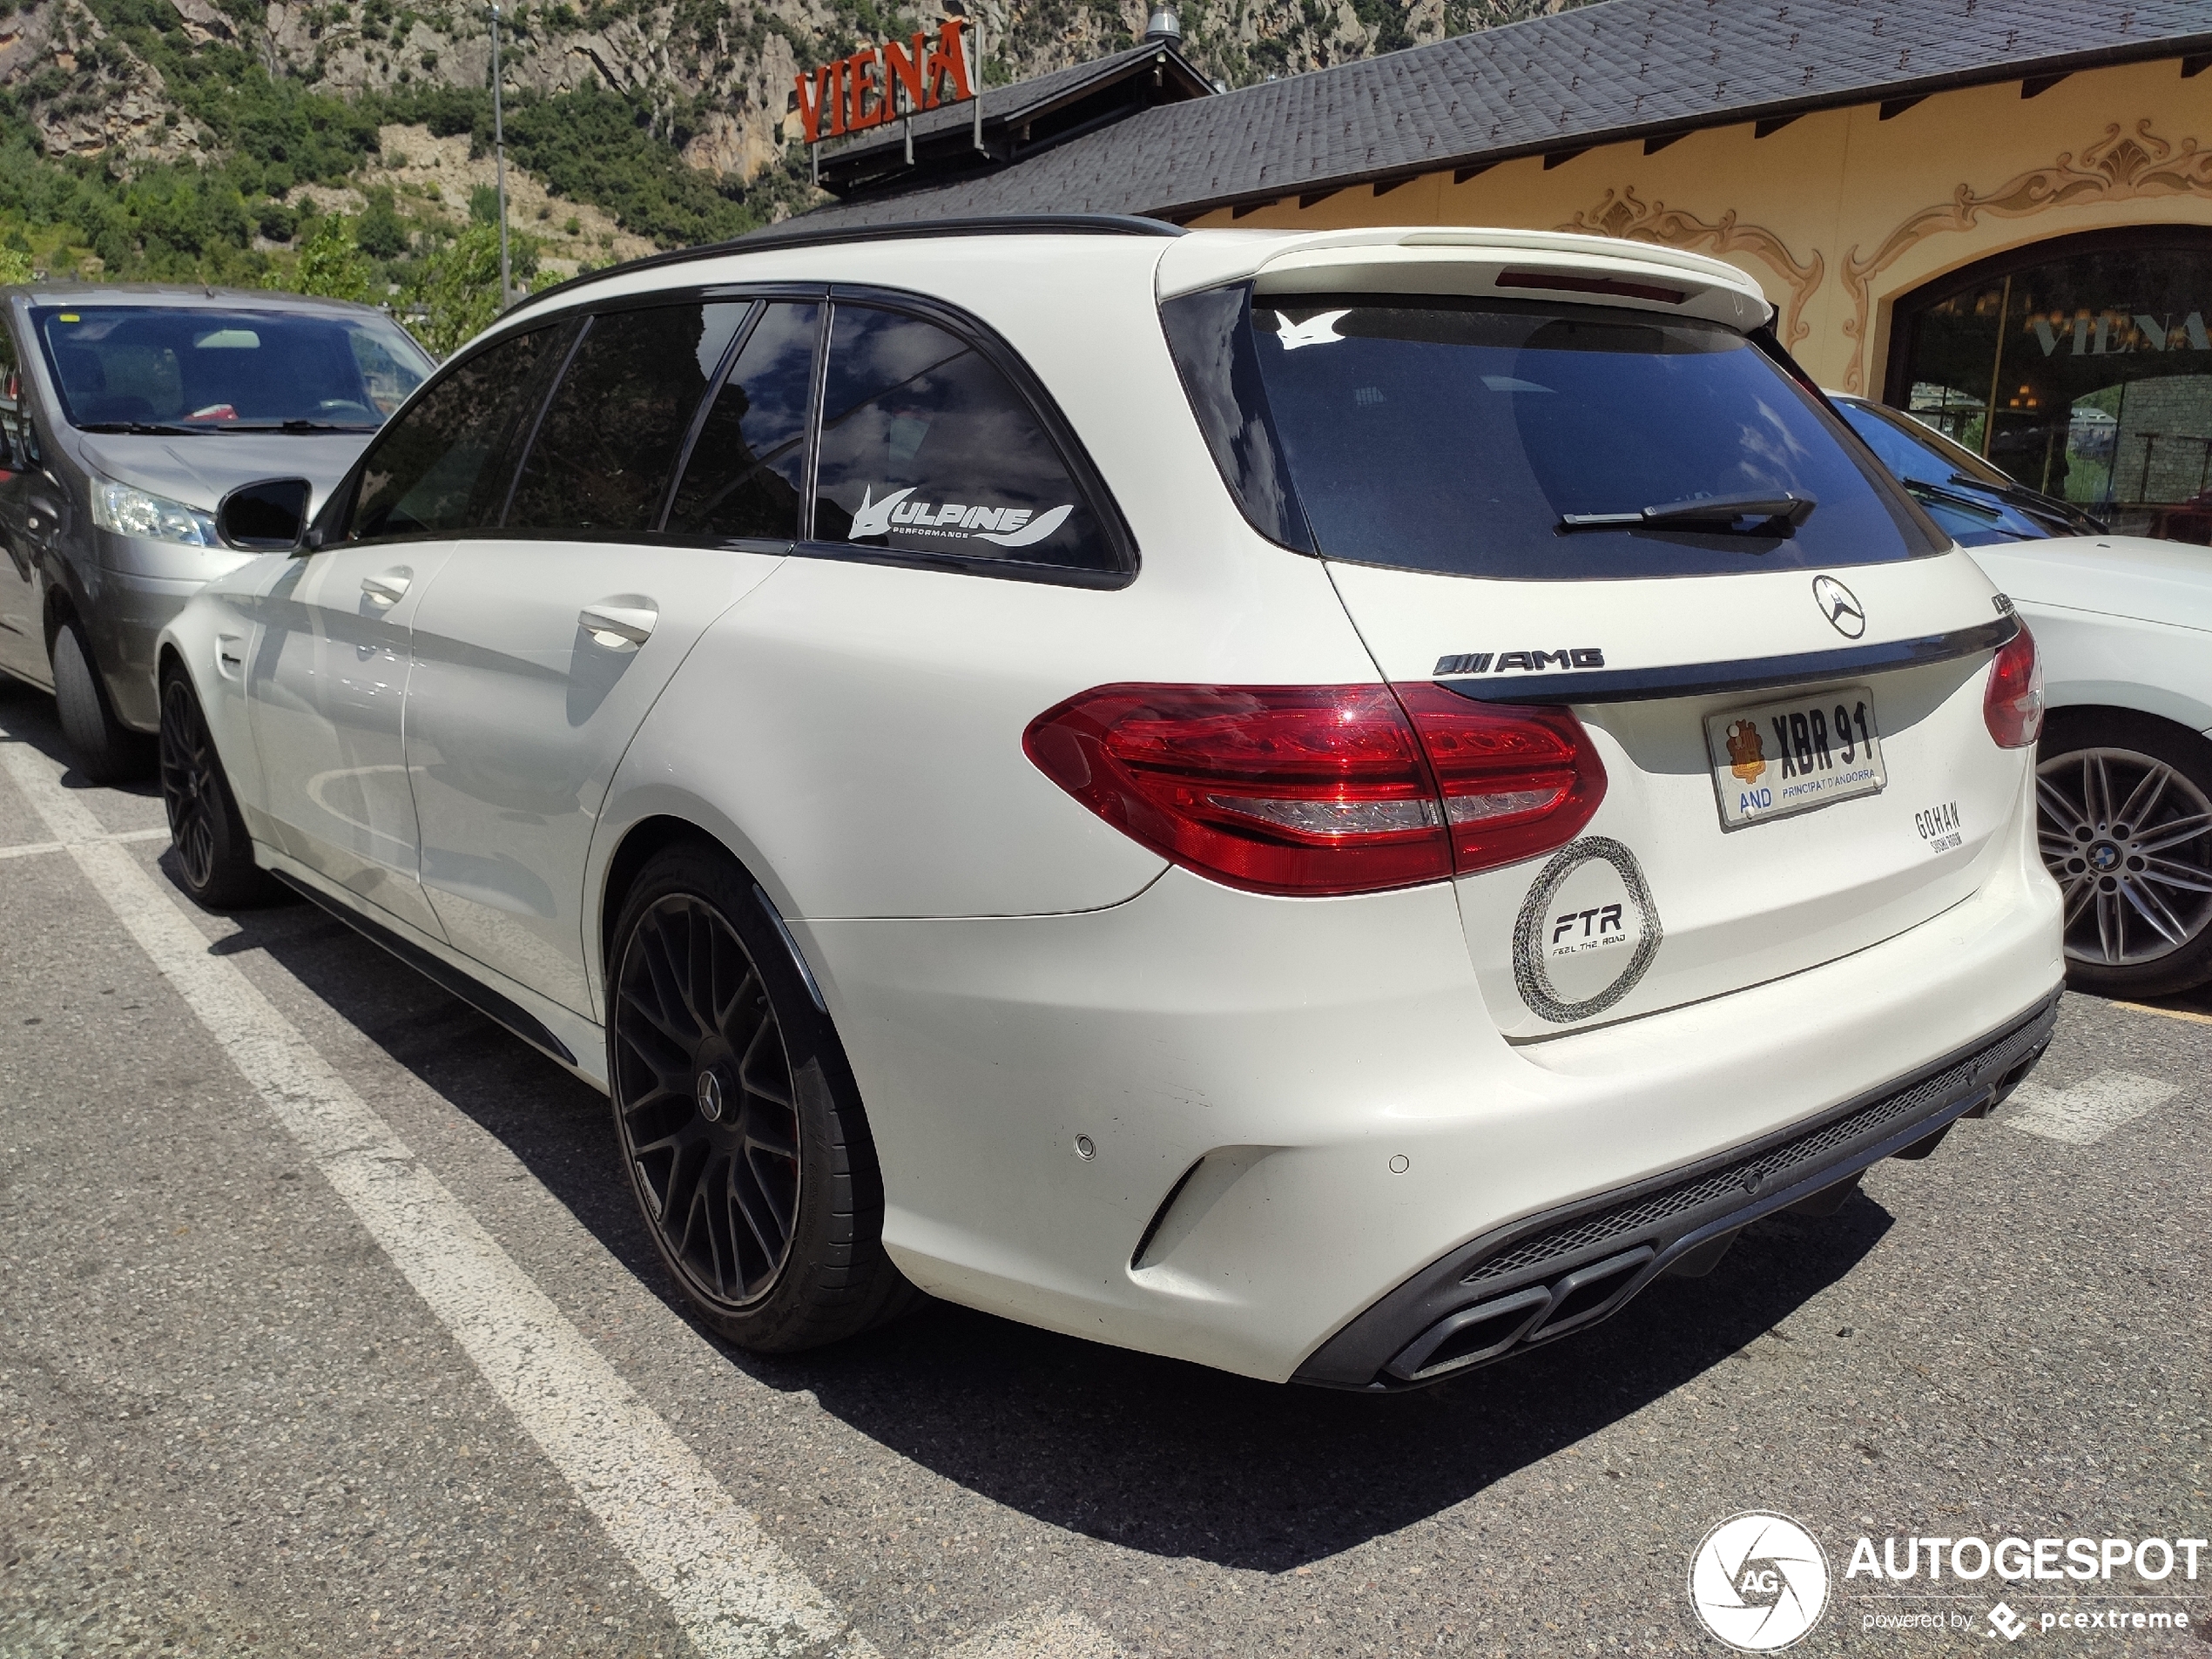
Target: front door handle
<point x="615" y="626"/>
<point x="387" y="588"/>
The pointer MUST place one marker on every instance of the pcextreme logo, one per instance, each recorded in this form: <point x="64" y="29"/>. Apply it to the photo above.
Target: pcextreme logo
<point x="1759" y="1582"/>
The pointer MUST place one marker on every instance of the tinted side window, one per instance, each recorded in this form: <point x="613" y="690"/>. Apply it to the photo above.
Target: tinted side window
<point x="431" y="470"/>
<point x="611" y="435"/>
<point x="926" y="448"/>
<point x="748" y="465"/>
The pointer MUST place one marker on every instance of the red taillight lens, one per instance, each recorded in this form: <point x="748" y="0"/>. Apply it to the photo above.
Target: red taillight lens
<point x="1516" y="781"/>
<point x="1321" y="789"/>
<point x="2012" y="705"/>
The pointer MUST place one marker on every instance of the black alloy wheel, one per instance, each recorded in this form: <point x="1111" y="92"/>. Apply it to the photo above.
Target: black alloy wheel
<point x="214" y="854"/>
<point x="710" y="1120"/>
<point x="2124" y="807"/>
<point x="739" y="1124"/>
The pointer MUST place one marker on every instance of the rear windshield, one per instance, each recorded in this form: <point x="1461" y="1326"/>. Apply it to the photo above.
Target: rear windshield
<point x="209" y="371"/>
<point x="1470" y="437"/>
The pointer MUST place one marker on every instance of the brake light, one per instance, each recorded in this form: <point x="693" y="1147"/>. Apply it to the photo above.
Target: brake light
<point x="1516" y="782"/>
<point x="2013" y="703"/>
<point x="1324" y="789"/>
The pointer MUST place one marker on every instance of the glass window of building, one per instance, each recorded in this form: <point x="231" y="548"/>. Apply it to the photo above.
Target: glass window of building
<point x="2082" y="366"/>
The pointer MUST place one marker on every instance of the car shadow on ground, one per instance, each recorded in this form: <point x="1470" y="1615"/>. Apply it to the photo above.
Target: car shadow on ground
<point x="1153" y="1454"/>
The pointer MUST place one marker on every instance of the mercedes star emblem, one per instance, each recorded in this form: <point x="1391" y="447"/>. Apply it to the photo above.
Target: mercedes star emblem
<point x="1840" y="605"/>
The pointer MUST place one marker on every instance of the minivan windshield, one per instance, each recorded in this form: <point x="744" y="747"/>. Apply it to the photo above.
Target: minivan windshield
<point x="197" y="370"/>
<point x="1526" y="440"/>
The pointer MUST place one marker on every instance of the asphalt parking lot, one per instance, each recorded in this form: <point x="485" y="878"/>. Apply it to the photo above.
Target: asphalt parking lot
<point x="248" y="1406"/>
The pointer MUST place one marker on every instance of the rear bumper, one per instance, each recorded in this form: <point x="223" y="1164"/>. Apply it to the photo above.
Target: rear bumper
<point x="1565" y="1270"/>
<point x="1293" y="1109"/>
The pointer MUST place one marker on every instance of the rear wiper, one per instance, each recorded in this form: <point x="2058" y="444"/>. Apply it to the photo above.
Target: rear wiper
<point x="142" y="428"/>
<point x="1770" y="515"/>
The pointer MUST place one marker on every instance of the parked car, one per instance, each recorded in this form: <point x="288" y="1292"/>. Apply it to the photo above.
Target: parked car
<point x="126" y="411"/>
<point x="1977" y="502"/>
<point x="1327" y="804"/>
<point x="2124" y="770"/>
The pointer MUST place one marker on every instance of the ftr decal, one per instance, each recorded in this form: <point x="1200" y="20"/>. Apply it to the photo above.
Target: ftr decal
<point x="1008" y="526"/>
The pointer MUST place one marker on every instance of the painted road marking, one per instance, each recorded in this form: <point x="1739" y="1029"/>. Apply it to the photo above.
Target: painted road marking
<point x="2089" y="1111"/>
<point x="736" y="1594"/>
<point x="31" y="849"/>
<point x="1043" y="1632"/>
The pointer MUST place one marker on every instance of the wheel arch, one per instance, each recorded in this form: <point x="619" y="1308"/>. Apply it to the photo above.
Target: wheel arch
<point x="2068" y="714"/>
<point x="653" y="819"/>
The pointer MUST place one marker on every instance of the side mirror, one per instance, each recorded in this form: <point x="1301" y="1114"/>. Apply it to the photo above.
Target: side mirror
<point x="268" y="516"/>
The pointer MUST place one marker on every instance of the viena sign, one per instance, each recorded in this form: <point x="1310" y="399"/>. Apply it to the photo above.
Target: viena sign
<point x="877" y="85"/>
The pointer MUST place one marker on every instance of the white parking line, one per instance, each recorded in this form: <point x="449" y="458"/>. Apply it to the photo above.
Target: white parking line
<point x="2089" y="1111"/>
<point x="734" y="1591"/>
<point x="30" y="849"/>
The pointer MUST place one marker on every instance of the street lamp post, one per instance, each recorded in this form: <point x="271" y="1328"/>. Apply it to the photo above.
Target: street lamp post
<point x="499" y="161"/>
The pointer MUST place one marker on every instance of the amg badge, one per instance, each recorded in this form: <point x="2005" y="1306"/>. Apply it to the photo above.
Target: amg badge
<point x="1527" y="662"/>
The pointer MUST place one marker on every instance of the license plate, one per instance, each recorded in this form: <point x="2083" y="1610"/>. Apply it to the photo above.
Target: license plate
<point x="1773" y="759"/>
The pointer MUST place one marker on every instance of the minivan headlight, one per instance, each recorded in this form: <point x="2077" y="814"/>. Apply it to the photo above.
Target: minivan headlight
<point x="127" y="511"/>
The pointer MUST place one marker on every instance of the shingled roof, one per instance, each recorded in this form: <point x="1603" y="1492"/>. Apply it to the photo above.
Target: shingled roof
<point x="1600" y="74"/>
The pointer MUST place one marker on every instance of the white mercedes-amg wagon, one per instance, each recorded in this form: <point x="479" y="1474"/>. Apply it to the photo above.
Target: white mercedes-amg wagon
<point x="1329" y="804"/>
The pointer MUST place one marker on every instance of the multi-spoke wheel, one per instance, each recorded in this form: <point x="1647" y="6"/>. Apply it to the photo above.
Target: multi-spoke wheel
<point x="214" y="855"/>
<point x="2125" y="815"/>
<point x="737" y="1116"/>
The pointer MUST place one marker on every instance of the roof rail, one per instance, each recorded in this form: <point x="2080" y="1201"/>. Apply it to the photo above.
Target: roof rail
<point x="765" y="241"/>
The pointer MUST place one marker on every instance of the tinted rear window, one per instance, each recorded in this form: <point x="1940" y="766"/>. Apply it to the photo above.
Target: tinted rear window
<point x="1460" y="437"/>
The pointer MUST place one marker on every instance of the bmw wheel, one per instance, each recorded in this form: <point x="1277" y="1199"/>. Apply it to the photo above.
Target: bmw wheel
<point x="736" y="1114"/>
<point x="2125" y="812"/>
<point x="214" y="854"/>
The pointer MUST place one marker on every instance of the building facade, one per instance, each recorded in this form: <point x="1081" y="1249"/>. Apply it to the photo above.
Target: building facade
<point x="1995" y="213"/>
<point x="2032" y="274"/>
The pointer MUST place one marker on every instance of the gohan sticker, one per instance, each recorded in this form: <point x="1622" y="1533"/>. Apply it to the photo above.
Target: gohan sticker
<point x="954" y="520"/>
<point x="1586" y="933"/>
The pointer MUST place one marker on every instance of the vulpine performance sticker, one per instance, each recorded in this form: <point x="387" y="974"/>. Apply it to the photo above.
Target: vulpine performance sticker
<point x="955" y="521"/>
<point x="1587" y="932"/>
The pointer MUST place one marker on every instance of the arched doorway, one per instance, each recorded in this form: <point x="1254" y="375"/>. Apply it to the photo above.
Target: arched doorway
<point x="2081" y="366"/>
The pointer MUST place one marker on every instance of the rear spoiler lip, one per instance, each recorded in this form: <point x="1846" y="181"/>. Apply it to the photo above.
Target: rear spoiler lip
<point x="1749" y="674"/>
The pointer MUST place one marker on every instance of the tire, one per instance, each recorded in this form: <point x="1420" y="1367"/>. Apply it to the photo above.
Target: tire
<point x="738" y="1118"/>
<point x="214" y="854"/>
<point x="2124" y="807"/>
<point x="106" y="750"/>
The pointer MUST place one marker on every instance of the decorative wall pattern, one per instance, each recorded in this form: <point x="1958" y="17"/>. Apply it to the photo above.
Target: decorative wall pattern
<point x="1623" y="213"/>
<point x="2123" y="165"/>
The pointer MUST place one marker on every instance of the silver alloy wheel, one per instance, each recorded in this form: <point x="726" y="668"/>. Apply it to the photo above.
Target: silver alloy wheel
<point x="2130" y="841"/>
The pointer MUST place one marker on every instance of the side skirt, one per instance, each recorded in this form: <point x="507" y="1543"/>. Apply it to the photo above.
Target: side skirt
<point x="491" y="1004"/>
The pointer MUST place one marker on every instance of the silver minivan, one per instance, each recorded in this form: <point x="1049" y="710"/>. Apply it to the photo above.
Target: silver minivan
<point x="127" y="411"/>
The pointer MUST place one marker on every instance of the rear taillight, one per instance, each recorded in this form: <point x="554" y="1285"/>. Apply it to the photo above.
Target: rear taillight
<point x="2012" y="705"/>
<point x="1322" y="789"/>
<point x="1516" y="781"/>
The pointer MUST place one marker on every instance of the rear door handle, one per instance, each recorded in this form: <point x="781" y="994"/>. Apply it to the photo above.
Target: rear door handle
<point x="387" y="588"/>
<point x="615" y="625"/>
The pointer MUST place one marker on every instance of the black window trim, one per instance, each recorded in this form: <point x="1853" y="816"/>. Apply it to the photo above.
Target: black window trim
<point x="739" y="336"/>
<point x="579" y="334"/>
<point x="979" y="336"/>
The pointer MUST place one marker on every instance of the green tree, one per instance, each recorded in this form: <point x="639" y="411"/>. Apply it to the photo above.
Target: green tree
<point x="15" y="265"/>
<point x="331" y="263"/>
<point x="459" y="285"/>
